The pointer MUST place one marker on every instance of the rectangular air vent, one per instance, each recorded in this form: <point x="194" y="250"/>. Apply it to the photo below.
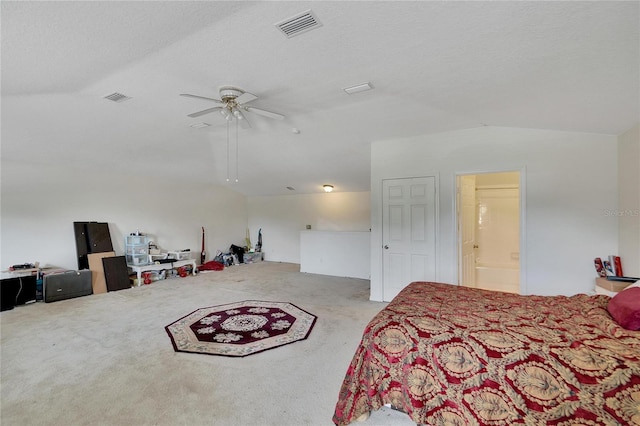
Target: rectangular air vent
<point x="298" y="24"/>
<point x="117" y="97"/>
<point x="358" y="88"/>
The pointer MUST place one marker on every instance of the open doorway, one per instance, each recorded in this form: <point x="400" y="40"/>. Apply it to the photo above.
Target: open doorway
<point x="488" y="219"/>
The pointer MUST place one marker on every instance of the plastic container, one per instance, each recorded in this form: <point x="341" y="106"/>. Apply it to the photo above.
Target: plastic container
<point x="136" y="250"/>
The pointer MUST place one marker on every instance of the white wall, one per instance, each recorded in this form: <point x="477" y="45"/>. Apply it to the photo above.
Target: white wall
<point x="283" y="217"/>
<point x="40" y="204"/>
<point x="629" y="201"/>
<point x="340" y="254"/>
<point x="569" y="179"/>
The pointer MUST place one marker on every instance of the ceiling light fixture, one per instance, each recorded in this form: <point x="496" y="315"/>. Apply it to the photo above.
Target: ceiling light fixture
<point x="226" y="114"/>
<point x="358" y="88"/>
<point x="327" y="188"/>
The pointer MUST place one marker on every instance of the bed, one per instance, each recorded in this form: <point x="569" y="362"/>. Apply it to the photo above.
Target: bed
<point x="453" y="355"/>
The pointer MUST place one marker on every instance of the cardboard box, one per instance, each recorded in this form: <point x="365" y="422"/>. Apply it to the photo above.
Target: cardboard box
<point x="98" y="280"/>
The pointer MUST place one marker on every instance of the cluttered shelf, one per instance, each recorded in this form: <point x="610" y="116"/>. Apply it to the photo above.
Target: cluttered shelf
<point x="170" y="264"/>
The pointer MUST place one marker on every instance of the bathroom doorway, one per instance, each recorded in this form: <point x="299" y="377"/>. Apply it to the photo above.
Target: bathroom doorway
<point x="488" y="218"/>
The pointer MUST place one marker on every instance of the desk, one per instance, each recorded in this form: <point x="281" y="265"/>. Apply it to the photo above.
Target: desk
<point x="139" y="269"/>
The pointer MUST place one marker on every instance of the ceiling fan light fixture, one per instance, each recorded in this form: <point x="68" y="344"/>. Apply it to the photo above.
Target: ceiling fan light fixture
<point x="327" y="188"/>
<point x="237" y="114"/>
<point x="226" y="114"/>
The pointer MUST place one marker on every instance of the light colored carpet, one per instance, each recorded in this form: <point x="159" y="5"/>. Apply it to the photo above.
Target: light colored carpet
<point x="107" y="360"/>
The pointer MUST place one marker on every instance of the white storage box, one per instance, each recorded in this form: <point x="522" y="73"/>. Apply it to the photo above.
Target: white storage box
<point x="154" y="257"/>
<point x="179" y="255"/>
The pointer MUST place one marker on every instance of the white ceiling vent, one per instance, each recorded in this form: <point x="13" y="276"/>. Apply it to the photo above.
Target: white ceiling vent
<point x="298" y="24"/>
<point x="117" y="97"/>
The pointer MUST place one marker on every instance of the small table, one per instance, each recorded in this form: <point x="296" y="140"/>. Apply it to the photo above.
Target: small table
<point x="139" y="269"/>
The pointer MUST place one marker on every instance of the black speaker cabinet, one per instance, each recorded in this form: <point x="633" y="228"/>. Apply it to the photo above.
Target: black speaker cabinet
<point x="17" y="291"/>
<point x="116" y="273"/>
<point x="91" y="237"/>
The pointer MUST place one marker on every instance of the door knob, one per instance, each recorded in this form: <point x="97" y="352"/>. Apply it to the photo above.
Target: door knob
<point x="386" y="247"/>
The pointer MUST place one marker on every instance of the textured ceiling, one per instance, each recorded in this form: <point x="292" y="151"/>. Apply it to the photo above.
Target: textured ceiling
<point x="435" y="66"/>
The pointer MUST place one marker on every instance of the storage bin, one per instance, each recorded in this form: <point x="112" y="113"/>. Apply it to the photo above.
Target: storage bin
<point x="252" y="257"/>
<point x="136" y="250"/>
<point x="179" y="255"/>
<point x="154" y="257"/>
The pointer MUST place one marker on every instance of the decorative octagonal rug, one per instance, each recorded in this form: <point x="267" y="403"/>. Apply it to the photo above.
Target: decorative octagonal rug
<point x="241" y="328"/>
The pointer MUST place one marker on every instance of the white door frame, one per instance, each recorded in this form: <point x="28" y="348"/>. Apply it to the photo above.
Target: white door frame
<point x="463" y="244"/>
<point x="523" y="223"/>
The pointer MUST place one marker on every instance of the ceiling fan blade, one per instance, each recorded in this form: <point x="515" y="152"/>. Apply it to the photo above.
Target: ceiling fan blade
<point x="246" y="97"/>
<point x="201" y="97"/>
<point x="265" y="113"/>
<point x="203" y="112"/>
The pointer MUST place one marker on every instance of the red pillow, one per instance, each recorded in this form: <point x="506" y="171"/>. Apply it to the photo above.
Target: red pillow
<point x="624" y="307"/>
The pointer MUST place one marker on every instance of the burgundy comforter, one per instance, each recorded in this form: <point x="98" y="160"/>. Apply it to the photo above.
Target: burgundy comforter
<point x="458" y="356"/>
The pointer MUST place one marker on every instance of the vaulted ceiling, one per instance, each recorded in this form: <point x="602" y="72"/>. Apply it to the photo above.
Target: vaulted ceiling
<point x="434" y="67"/>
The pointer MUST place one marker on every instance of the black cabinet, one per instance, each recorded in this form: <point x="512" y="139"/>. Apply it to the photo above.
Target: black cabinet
<point x="116" y="273"/>
<point x="17" y="291"/>
<point x="91" y="237"/>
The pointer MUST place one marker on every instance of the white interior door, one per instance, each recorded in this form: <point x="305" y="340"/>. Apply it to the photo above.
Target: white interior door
<point x="408" y="233"/>
<point x="467" y="229"/>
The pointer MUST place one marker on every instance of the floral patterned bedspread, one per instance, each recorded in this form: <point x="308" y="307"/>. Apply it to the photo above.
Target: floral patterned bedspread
<point x="453" y="355"/>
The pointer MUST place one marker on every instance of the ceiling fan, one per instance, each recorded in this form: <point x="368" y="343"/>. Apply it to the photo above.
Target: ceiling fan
<point x="232" y="105"/>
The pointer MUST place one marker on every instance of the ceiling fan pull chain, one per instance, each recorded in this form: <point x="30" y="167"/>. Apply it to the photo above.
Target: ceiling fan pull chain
<point x="237" y="161"/>
<point x="227" y="151"/>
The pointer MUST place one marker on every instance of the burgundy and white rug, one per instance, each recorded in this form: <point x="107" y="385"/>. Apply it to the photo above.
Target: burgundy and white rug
<point x="241" y="328"/>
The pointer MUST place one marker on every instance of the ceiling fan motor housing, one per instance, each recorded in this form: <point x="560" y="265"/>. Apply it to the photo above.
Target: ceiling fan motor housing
<point x="228" y="93"/>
